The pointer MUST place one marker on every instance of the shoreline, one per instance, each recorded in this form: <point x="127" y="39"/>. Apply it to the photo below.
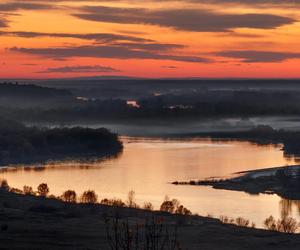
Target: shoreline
<point x="278" y="180"/>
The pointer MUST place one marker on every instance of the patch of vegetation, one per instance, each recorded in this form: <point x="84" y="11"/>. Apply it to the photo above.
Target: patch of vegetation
<point x="21" y="144"/>
<point x="261" y="135"/>
<point x="285" y="225"/>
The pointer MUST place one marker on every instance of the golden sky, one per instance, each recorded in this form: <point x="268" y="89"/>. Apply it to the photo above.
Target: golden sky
<point x="150" y="38"/>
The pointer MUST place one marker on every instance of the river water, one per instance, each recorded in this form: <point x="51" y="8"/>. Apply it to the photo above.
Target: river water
<point x="147" y="166"/>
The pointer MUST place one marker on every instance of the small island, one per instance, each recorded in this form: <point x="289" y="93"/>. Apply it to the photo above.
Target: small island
<point x="283" y="181"/>
<point x="20" y="144"/>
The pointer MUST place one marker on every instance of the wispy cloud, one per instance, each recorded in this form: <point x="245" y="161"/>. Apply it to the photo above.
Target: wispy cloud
<point x="106" y="51"/>
<point x="3" y="22"/>
<point x="81" y="69"/>
<point x="183" y="19"/>
<point x="256" y="56"/>
<point x="22" y="5"/>
<point x="99" y="37"/>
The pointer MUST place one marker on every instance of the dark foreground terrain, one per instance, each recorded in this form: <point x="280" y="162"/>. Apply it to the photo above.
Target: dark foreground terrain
<point x="28" y="222"/>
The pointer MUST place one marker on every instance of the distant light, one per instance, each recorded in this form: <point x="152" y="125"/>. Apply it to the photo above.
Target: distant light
<point x="81" y="98"/>
<point x="133" y="103"/>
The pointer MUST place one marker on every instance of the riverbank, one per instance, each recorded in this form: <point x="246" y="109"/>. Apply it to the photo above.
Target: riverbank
<point x="30" y="222"/>
<point x="25" y="145"/>
<point x="283" y="181"/>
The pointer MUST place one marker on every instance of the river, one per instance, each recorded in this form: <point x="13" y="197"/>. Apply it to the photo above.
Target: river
<point x="147" y="166"/>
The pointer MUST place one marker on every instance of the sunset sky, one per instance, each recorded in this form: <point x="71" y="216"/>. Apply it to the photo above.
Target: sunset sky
<point x="150" y="38"/>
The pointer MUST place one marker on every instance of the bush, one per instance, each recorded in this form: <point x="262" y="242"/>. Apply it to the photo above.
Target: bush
<point x="174" y="207"/>
<point x="226" y="220"/>
<point x="270" y="223"/>
<point x="148" y="206"/>
<point x="4" y="184"/>
<point x="131" y="200"/>
<point x="43" y="189"/>
<point x="27" y="190"/>
<point x="113" y="202"/>
<point x="181" y="210"/>
<point x="285" y="225"/>
<point x="69" y="196"/>
<point x="167" y="206"/>
<point x="242" y="222"/>
<point x="89" y="197"/>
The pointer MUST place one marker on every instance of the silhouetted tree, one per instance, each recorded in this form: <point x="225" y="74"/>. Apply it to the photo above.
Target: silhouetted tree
<point x="131" y="200"/>
<point x="89" y="197"/>
<point x="28" y="190"/>
<point x="113" y="202"/>
<point x="148" y="206"/>
<point x="43" y="189"/>
<point x="4" y="184"/>
<point x="69" y="196"/>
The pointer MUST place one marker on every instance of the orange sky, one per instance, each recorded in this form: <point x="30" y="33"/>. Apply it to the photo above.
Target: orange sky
<point x="184" y="38"/>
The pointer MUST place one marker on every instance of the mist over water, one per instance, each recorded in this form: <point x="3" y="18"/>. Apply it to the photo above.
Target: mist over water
<point x="177" y="127"/>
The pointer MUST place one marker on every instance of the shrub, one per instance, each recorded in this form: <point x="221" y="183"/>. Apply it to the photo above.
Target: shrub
<point x="113" y="202"/>
<point x="148" y="206"/>
<point x="242" y="222"/>
<point x="4" y="184"/>
<point x="285" y="225"/>
<point x="69" y="196"/>
<point x="16" y="190"/>
<point x="270" y="223"/>
<point x="226" y="220"/>
<point x="131" y="200"/>
<point x="169" y="206"/>
<point x="89" y="197"/>
<point x="27" y="190"/>
<point x="43" y="189"/>
<point x="181" y="210"/>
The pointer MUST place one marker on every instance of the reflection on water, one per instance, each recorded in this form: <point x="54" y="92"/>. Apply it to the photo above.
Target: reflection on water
<point x="289" y="207"/>
<point x="149" y="165"/>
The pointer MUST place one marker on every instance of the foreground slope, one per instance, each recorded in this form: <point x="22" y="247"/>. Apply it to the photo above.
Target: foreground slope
<point x="29" y="222"/>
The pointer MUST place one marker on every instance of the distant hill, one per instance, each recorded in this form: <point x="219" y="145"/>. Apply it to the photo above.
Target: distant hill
<point x="29" y="95"/>
<point x="10" y="90"/>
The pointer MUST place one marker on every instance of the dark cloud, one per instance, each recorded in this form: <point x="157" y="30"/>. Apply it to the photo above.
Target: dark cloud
<point x="151" y="46"/>
<point x="3" y="22"/>
<point x="12" y="6"/>
<point x="255" y="56"/>
<point x="183" y="19"/>
<point x="248" y="2"/>
<point x="81" y="69"/>
<point x="105" y="51"/>
<point x="99" y="37"/>
<point x="169" y="67"/>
